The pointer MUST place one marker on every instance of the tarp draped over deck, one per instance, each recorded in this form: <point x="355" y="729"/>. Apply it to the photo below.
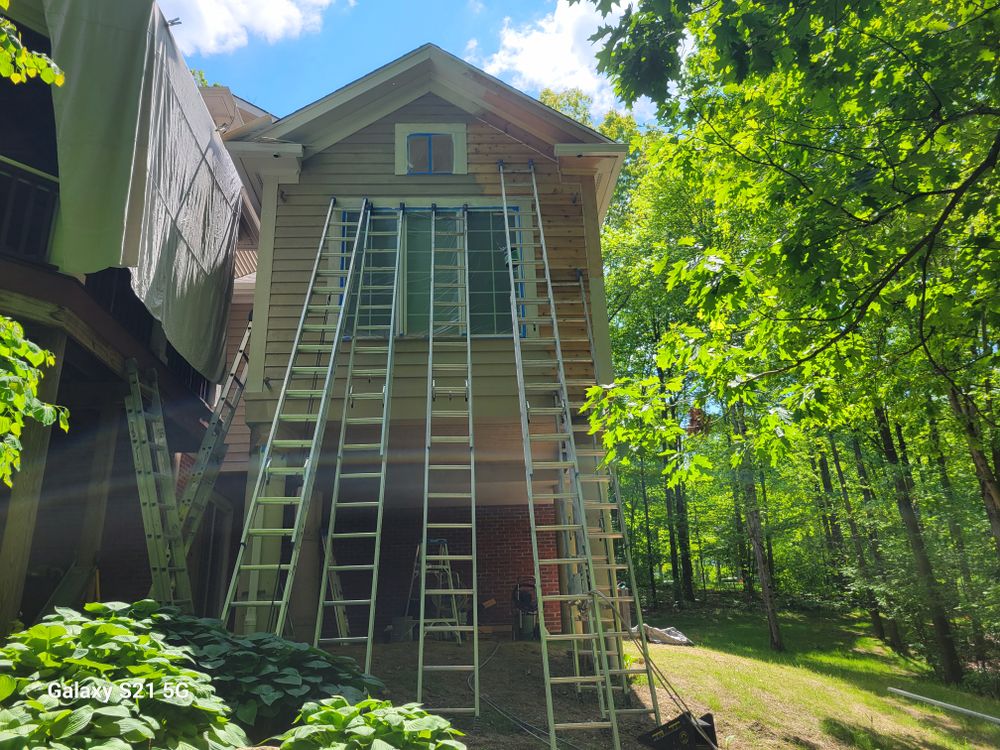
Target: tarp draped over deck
<point x="145" y="181"/>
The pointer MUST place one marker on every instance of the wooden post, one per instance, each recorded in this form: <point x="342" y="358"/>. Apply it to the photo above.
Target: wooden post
<point x="19" y="531"/>
<point x="99" y="485"/>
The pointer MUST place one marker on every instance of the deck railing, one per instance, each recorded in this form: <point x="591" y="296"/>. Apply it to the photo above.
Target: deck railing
<point x="28" y="201"/>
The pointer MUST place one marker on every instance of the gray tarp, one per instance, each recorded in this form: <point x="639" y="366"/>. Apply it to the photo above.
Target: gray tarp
<point x="145" y="181"/>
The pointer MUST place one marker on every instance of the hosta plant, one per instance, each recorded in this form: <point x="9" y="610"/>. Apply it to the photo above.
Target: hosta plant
<point x="336" y="724"/>
<point x="266" y="679"/>
<point x="110" y="683"/>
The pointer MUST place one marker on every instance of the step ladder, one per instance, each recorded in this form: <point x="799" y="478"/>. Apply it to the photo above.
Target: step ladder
<point x="447" y="610"/>
<point x="363" y="446"/>
<point x="553" y="477"/>
<point x="612" y="539"/>
<point x="198" y="492"/>
<point x="157" y="491"/>
<point x="266" y="561"/>
<point x="449" y="461"/>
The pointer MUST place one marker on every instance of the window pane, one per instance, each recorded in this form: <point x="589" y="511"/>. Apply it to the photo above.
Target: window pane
<point x="443" y="154"/>
<point x="488" y="278"/>
<point x="418" y="272"/>
<point x="418" y="154"/>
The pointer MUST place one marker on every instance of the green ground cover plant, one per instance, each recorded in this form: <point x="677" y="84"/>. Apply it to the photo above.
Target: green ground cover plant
<point x="108" y="682"/>
<point x="335" y="724"/>
<point x="264" y="678"/>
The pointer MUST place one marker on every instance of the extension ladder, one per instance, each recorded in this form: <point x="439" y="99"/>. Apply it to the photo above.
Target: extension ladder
<point x="611" y="534"/>
<point x="449" y="454"/>
<point x="157" y="491"/>
<point x="553" y="477"/>
<point x="198" y="491"/>
<point x="363" y="447"/>
<point x="271" y="541"/>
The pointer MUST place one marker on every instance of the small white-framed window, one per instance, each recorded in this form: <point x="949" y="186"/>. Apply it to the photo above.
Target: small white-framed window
<point x="436" y="148"/>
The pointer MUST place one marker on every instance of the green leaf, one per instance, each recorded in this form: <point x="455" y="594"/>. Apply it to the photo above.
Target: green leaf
<point x="7" y="686"/>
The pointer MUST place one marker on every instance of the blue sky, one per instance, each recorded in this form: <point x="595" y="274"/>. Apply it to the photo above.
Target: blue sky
<point x="284" y="54"/>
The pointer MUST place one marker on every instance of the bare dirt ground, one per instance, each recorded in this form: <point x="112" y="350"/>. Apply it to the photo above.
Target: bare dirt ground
<point x="511" y="679"/>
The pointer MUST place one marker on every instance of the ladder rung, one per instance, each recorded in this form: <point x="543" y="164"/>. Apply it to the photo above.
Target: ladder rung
<point x="449" y="668"/>
<point x="304" y="393"/>
<point x="362" y="446"/>
<point x="361" y="475"/>
<point x="283" y="443"/>
<point x="449" y="558"/>
<point x="553" y="464"/>
<point x="270" y="532"/>
<point x="595" y="477"/>
<point x="346" y="603"/>
<point x="450" y="495"/>
<point x="560" y="527"/>
<point x="364" y="420"/>
<point x="350" y="567"/>
<point x="577" y="679"/>
<point x="298" y="417"/>
<point x="450" y="467"/>
<point x="286" y="471"/>
<point x="571" y="636"/>
<point x="278" y="500"/>
<point x="345" y="639"/>
<point x="353" y="535"/>
<point x="581" y="725"/>
<point x="365" y="504"/>
<point x="456" y="439"/>
<point x="270" y="567"/>
<point x="449" y="525"/>
<point x="450" y="413"/>
<point x="448" y="628"/>
<point x="255" y="603"/>
<point x="562" y="561"/>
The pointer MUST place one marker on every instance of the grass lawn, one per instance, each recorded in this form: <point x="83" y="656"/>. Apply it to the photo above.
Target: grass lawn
<point x="828" y="690"/>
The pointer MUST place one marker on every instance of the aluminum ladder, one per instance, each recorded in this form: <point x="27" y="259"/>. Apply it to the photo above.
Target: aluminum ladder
<point x="274" y="524"/>
<point x="611" y="536"/>
<point x="449" y="458"/>
<point x="198" y="491"/>
<point x="157" y="491"/>
<point x="363" y="446"/>
<point x="553" y="476"/>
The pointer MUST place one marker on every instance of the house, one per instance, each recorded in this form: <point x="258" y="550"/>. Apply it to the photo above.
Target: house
<point x="120" y="211"/>
<point x="392" y="413"/>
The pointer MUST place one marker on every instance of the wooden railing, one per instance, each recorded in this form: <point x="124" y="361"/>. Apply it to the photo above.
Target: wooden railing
<point x="28" y="202"/>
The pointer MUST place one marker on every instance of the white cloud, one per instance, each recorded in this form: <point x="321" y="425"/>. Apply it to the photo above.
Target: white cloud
<point x="471" y="53"/>
<point x="556" y="52"/>
<point x="476" y="6"/>
<point x="211" y="26"/>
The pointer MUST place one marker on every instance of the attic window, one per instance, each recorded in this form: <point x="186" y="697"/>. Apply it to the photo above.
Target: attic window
<point x="431" y="149"/>
<point x="430" y="153"/>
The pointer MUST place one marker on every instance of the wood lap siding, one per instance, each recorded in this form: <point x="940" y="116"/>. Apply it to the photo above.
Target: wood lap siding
<point x="363" y="165"/>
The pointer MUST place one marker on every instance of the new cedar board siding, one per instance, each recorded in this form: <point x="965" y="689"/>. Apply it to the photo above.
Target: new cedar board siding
<point x="238" y="438"/>
<point x="363" y="165"/>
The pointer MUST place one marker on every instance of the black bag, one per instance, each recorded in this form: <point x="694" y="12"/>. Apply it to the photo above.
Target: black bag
<point x="682" y="733"/>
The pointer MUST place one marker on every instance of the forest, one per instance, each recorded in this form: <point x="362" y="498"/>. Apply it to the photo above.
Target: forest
<point x="802" y="266"/>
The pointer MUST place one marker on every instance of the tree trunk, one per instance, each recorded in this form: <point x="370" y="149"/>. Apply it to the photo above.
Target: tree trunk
<point x="951" y="667"/>
<point x="990" y="483"/>
<point x="893" y="634"/>
<point x="746" y="478"/>
<point x="958" y="539"/>
<point x="824" y="517"/>
<point x="684" y="544"/>
<point x="650" y="563"/>
<point x="766" y="517"/>
<point x="871" y="604"/>
<point x="741" y="549"/>
<point x="675" y="581"/>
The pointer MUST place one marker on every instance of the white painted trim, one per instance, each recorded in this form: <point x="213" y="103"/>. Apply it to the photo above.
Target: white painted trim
<point x="262" y="293"/>
<point x="459" y="139"/>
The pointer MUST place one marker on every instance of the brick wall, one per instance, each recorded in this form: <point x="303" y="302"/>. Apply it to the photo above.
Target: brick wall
<point x="504" y="555"/>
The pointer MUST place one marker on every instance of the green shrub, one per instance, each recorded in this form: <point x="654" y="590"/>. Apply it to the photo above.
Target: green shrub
<point x="335" y="724"/>
<point x="130" y="688"/>
<point x="265" y="679"/>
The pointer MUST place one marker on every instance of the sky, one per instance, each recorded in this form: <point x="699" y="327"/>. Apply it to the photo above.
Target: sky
<point x="284" y="54"/>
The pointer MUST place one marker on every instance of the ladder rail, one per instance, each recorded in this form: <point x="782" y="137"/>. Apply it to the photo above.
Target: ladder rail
<point x="564" y="418"/>
<point x="266" y="457"/>
<point x="326" y="583"/>
<point x="474" y="582"/>
<point x="197" y="493"/>
<point x="384" y="447"/>
<point x="525" y="437"/>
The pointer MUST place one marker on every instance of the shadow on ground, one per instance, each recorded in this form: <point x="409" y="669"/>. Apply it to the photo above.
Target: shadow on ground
<point x="866" y="738"/>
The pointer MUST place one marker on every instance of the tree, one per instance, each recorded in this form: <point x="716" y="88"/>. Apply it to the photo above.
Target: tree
<point x="17" y="62"/>
<point x="571" y="102"/>
<point x="20" y="372"/>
